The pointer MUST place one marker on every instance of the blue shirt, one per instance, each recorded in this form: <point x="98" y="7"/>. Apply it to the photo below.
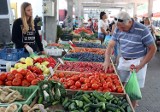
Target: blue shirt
<point x="133" y="44"/>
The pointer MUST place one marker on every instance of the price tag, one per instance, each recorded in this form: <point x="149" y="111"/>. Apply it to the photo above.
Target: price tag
<point x="51" y="71"/>
<point x="61" y="61"/>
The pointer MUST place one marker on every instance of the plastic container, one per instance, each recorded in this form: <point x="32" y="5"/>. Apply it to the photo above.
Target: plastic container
<point x="28" y="93"/>
<point x="11" y="54"/>
<point x="19" y="106"/>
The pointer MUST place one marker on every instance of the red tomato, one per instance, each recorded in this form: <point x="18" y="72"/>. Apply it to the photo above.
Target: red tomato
<point x="18" y="75"/>
<point x="65" y="86"/>
<point x="93" y="81"/>
<point x="89" y="84"/>
<point x="95" y="86"/>
<point x="109" y="84"/>
<point x="91" y="77"/>
<point x="105" y="85"/>
<point x="82" y="79"/>
<point x="1" y="82"/>
<point x="35" y="82"/>
<point x="61" y="75"/>
<point x="41" y="77"/>
<point x="113" y="88"/>
<point x="10" y="76"/>
<point x="75" y="77"/>
<point x="55" y="78"/>
<point x="8" y="83"/>
<point x="108" y="79"/>
<point x="3" y="76"/>
<point x="16" y="82"/>
<point x="114" y="77"/>
<point x="73" y="87"/>
<point x="70" y="82"/>
<point x="14" y="72"/>
<point x="100" y="89"/>
<point x="78" y="84"/>
<point x="120" y="90"/>
<point x="81" y="75"/>
<point x="61" y="80"/>
<point x="23" y="72"/>
<point x="86" y="80"/>
<point x="84" y="87"/>
<point x="30" y="77"/>
<point x="25" y="83"/>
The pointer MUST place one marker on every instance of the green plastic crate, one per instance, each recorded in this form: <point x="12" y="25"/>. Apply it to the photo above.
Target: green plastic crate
<point x="19" y="106"/>
<point x="28" y="93"/>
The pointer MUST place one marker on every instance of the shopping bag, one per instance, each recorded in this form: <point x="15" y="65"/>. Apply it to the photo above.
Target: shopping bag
<point x="132" y="87"/>
<point x="107" y="39"/>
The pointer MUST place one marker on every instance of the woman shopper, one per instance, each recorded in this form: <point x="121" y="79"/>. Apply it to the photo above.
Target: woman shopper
<point x="148" y="24"/>
<point x="102" y="26"/>
<point x="24" y="32"/>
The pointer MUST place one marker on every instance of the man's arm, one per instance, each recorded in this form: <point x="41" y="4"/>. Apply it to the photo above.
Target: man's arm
<point x="151" y="52"/>
<point x="108" y="54"/>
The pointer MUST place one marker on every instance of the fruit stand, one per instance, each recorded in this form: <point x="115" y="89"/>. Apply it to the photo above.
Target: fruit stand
<point x="77" y="84"/>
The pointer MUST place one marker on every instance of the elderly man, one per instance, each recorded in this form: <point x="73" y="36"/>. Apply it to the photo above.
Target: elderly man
<point x="136" y="47"/>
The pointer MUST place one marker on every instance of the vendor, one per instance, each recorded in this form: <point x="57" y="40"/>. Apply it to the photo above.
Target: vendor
<point x="24" y="32"/>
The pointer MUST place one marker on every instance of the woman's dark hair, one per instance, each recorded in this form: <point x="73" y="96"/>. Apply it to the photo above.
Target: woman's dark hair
<point x="101" y="14"/>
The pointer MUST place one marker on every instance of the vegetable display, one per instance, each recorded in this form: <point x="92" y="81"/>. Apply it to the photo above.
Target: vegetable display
<point x="20" y="78"/>
<point x="8" y="95"/>
<point x="96" y="102"/>
<point x="92" y="50"/>
<point x="80" y="30"/>
<point x="89" y="81"/>
<point x="91" y="57"/>
<point x="84" y="67"/>
<point x="89" y="45"/>
<point x="42" y="64"/>
<point x="50" y="93"/>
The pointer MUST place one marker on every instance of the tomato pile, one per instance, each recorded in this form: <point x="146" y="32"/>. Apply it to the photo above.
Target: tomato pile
<point x="84" y="67"/>
<point x="89" y="81"/>
<point x="20" y="78"/>
<point x="79" y="30"/>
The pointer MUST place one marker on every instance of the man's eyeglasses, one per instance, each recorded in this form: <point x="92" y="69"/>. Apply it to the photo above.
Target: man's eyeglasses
<point x="118" y="20"/>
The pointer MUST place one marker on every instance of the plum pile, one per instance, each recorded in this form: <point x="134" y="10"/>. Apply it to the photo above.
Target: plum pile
<point x="89" y="45"/>
<point x="86" y="57"/>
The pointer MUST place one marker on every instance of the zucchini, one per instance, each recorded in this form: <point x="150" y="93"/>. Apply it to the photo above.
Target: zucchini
<point x="86" y="99"/>
<point x="79" y="103"/>
<point x="65" y="101"/>
<point x="99" y="96"/>
<point x="72" y="106"/>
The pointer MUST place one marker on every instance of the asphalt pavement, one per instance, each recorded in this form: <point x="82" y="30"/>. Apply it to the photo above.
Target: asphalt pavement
<point x="151" y="92"/>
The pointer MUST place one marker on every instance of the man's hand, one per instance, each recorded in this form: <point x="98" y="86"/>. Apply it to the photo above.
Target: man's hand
<point x="138" y="67"/>
<point x="105" y="66"/>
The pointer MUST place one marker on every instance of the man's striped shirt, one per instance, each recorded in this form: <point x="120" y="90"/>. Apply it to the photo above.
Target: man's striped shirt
<point x="133" y="44"/>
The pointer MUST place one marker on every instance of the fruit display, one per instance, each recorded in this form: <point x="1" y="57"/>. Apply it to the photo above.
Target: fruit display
<point x="90" y="57"/>
<point x="50" y="92"/>
<point x="42" y="63"/>
<point x="20" y="78"/>
<point x="96" y="102"/>
<point x="92" y="50"/>
<point x="8" y="95"/>
<point x="90" y="81"/>
<point x="80" y="30"/>
<point x="84" y="67"/>
<point x="89" y="45"/>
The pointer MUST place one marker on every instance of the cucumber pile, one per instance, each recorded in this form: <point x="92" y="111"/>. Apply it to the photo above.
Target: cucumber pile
<point x="50" y="93"/>
<point x="96" y="102"/>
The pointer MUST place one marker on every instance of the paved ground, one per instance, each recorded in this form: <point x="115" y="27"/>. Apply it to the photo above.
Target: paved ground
<point x="151" y="92"/>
